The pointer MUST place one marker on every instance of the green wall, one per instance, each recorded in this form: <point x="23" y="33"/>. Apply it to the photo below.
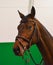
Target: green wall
<point x="7" y="56"/>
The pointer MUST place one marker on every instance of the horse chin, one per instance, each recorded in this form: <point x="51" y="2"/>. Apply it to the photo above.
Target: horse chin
<point x="23" y="46"/>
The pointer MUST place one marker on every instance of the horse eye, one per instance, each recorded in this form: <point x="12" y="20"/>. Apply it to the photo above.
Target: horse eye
<point x="29" y="27"/>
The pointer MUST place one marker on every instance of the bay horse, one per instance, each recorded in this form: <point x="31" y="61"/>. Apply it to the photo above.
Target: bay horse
<point x="31" y="31"/>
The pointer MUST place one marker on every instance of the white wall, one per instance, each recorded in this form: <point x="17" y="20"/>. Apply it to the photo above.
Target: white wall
<point x="9" y="18"/>
<point x="44" y="12"/>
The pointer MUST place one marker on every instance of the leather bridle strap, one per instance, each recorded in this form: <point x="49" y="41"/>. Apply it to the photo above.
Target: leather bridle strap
<point x="29" y="45"/>
<point x="27" y="40"/>
<point x="23" y="38"/>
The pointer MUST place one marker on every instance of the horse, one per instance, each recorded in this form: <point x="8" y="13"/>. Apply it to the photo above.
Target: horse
<point x="30" y="32"/>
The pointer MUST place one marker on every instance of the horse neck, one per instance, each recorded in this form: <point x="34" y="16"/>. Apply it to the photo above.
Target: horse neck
<point x="45" y="43"/>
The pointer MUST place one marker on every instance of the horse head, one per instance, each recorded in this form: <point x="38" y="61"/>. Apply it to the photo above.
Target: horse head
<point x="26" y="33"/>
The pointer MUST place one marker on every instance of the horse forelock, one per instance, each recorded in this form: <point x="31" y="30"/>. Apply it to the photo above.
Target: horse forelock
<point x="26" y="18"/>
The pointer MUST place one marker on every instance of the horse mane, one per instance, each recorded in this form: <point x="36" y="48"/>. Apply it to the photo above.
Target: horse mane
<point x="45" y="43"/>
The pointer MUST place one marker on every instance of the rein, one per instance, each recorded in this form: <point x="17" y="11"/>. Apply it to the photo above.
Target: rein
<point x="32" y="59"/>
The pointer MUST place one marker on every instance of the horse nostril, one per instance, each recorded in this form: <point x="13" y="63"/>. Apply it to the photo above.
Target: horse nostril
<point x="16" y="50"/>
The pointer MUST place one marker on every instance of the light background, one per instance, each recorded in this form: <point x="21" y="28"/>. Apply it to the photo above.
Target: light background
<point x="9" y="18"/>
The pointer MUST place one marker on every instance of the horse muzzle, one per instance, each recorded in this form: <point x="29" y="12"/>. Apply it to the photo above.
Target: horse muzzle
<point x="20" y="46"/>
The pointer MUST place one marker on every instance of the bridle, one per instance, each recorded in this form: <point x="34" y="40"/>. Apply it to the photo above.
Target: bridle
<point x="29" y="41"/>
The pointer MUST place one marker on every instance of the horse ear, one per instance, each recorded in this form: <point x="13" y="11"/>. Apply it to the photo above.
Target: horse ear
<point x="21" y="15"/>
<point x="33" y="11"/>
